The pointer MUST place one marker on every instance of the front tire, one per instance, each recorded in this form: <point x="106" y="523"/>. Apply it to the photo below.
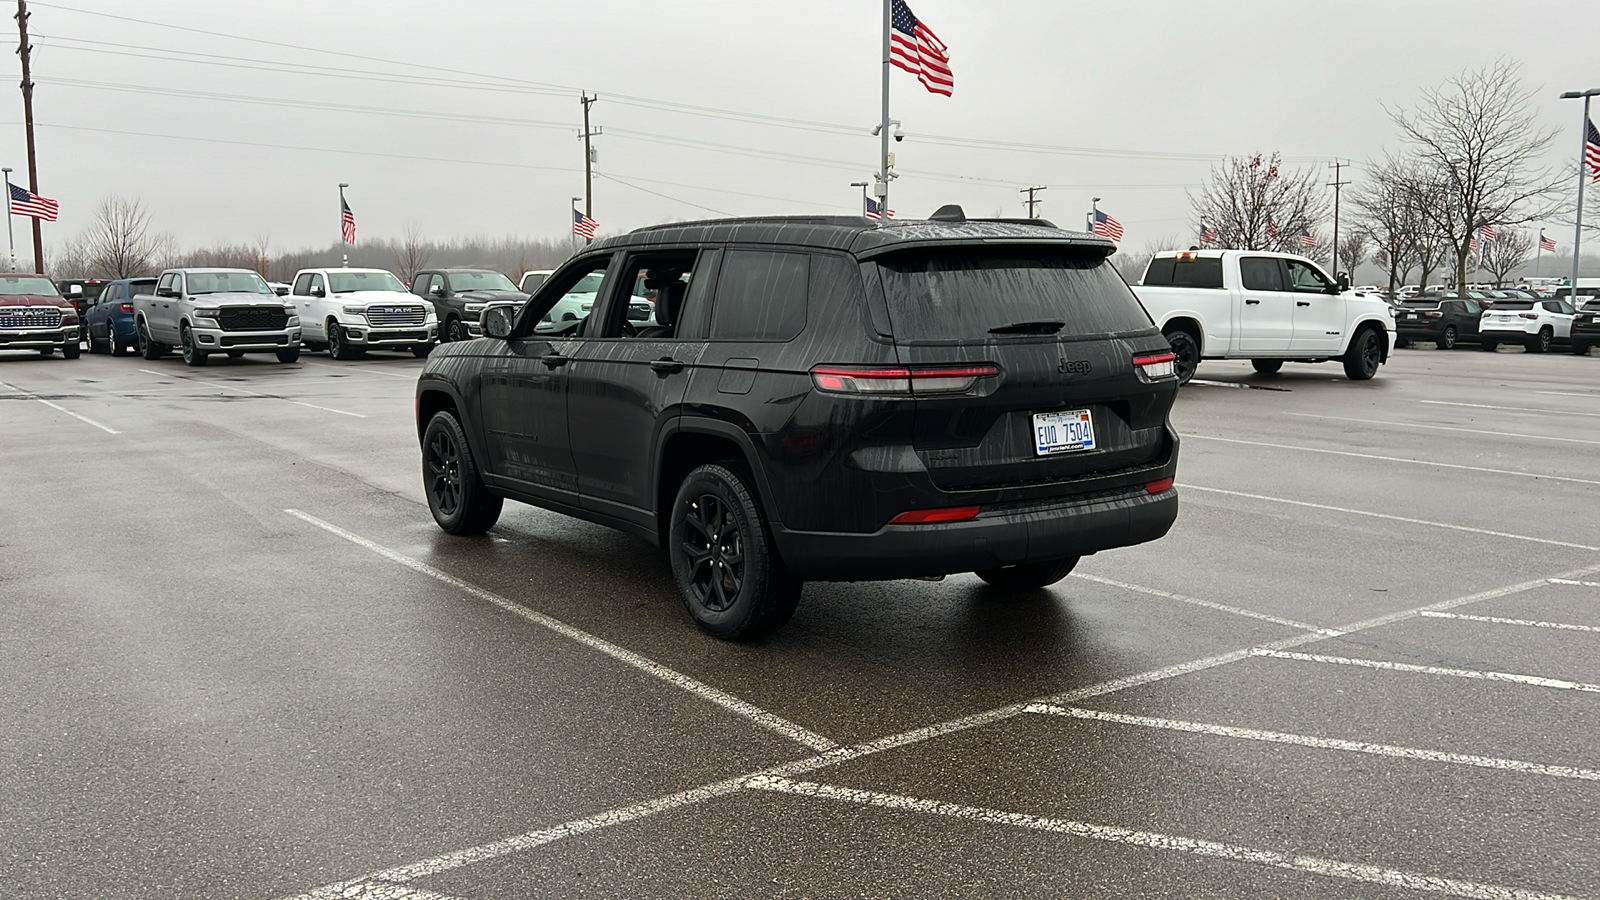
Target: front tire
<point x="1446" y="341"/>
<point x="1267" y="366"/>
<point x="457" y="496"/>
<point x="728" y="571"/>
<point x="292" y="354"/>
<point x="338" y="346"/>
<point x="70" y="350"/>
<point x="421" y="351"/>
<point x="1541" y="342"/>
<point x="1029" y="576"/>
<point x="454" y="331"/>
<point x="1186" y="353"/>
<point x="116" y="347"/>
<point x="1364" y="355"/>
<point x="192" y="355"/>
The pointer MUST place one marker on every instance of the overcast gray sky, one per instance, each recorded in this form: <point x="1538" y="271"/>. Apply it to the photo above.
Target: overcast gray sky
<point x="1157" y="86"/>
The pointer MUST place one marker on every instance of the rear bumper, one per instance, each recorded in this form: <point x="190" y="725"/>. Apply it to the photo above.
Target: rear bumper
<point x="1589" y="334"/>
<point x="1005" y="537"/>
<point x="1510" y="334"/>
<point x="31" y="339"/>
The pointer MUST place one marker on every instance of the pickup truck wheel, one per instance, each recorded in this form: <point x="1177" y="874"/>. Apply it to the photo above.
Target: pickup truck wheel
<point x="1365" y="354"/>
<point x="290" y="355"/>
<point x="1029" y="576"/>
<point x="1487" y="345"/>
<point x="1267" y="366"/>
<point x="457" y="497"/>
<point x="1446" y="341"/>
<point x="338" y="347"/>
<point x="729" y="574"/>
<point x="1541" y="342"/>
<point x="148" y="348"/>
<point x="1401" y="343"/>
<point x="1186" y="349"/>
<point x="454" y="331"/>
<point x="192" y="355"/>
<point x="70" y="350"/>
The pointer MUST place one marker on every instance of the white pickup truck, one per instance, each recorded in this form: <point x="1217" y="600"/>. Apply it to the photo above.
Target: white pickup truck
<point x="1269" y="308"/>
<point x="350" y="311"/>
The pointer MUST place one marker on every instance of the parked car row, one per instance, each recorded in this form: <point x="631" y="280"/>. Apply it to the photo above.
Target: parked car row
<point x="1537" y="325"/>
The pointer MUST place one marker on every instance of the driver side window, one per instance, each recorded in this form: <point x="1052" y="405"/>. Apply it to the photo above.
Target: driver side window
<point x="577" y="291"/>
<point x="649" y="300"/>
<point x="1307" y="280"/>
<point x="302" y="285"/>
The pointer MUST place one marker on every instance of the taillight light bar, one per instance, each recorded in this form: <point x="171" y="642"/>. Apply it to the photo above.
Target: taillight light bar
<point x="1159" y="487"/>
<point x="125" y="307"/>
<point x="1433" y="314"/>
<point x="897" y="380"/>
<point x="1156" y="366"/>
<point x="1527" y="315"/>
<point x="931" y="516"/>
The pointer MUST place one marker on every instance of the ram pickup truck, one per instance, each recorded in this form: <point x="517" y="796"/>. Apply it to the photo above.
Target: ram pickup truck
<point x="34" y="316"/>
<point x="460" y="296"/>
<point x="1269" y="308"/>
<point x="206" y="311"/>
<point x="350" y="311"/>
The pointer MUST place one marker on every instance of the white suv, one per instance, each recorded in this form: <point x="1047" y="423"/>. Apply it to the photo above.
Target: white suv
<point x="1535" y="324"/>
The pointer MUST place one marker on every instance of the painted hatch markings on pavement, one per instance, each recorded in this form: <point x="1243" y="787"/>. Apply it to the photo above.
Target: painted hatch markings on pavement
<point x="1476" y="674"/>
<point x="1312" y="865"/>
<point x="1196" y="601"/>
<point x="1394" y="459"/>
<point x="1496" y="620"/>
<point x="223" y="386"/>
<point x="32" y="396"/>
<point x="1391" y="518"/>
<point x="1319" y="743"/>
<point x="843" y="754"/>
<point x="755" y="714"/>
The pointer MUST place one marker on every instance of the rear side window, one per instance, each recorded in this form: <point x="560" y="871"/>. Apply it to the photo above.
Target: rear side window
<point x="1261" y="273"/>
<point x="761" y="296"/>
<point x="1198" y="272"/>
<point x="965" y="293"/>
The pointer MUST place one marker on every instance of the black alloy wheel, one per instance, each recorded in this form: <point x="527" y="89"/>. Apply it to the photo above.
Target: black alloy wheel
<point x="338" y="346"/>
<point x="192" y="355"/>
<point x="1542" y="341"/>
<point x="455" y="330"/>
<point x="1361" y="361"/>
<point x="729" y="574"/>
<point x="1186" y="350"/>
<point x="457" y="497"/>
<point x="1447" y="341"/>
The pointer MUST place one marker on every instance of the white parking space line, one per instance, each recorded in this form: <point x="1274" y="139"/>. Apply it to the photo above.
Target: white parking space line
<point x="1392" y="518"/>
<point x="1393" y="459"/>
<point x="1319" y="743"/>
<point x="1569" y="581"/>
<point x="1208" y="604"/>
<point x="1522" y="409"/>
<point x="1476" y="674"/>
<point x="229" y="387"/>
<point x="1311" y="865"/>
<point x="388" y="890"/>
<point x="32" y="396"/>
<point x="761" y="717"/>
<point x="1496" y="620"/>
<point x="1569" y="394"/>
<point x="1478" y="431"/>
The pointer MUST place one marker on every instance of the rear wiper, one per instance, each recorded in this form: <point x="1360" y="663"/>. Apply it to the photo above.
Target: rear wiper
<point x="1046" y="327"/>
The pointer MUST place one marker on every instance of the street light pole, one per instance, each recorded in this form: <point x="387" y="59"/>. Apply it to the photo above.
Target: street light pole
<point x="1583" y="146"/>
<point x="864" y="185"/>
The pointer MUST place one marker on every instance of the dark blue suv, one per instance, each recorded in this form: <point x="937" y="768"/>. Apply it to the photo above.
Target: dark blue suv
<point x="819" y="399"/>
<point x="109" y="322"/>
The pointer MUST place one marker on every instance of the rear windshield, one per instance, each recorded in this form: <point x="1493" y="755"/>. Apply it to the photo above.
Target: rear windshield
<point x="1424" y="303"/>
<point x="1199" y="272"/>
<point x="963" y="293"/>
<point x="1513" y="304"/>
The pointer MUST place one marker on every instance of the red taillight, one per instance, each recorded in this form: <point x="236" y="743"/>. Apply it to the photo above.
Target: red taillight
<point x="125" y="307"/>
<point x="1433" y="314"/>
<point x="1155" y="366"/>
<point x="893" y="380"/>
<point x="1527" y="315"/>
<point x="1158" y="487"/>
<point x="929" y="516"/>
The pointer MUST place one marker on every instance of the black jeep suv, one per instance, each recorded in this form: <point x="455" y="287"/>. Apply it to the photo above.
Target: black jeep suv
<point x="819" y="399"/>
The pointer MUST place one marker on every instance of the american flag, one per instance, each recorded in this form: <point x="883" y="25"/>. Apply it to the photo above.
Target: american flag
<point x="1272" y="228"/>
<point x="1486" y="232"/>
<point x="1546" y="243"/>
<point x="583" y="226"/>
<point x="914" y="47"/>
<point x="872" y="209"/>
<point x="1307" y="239"/>
<point x="1105" y="226"/>
<point x="1591" y="147"/>
<point x="26" y="203"/>
<point x="1472" y="245"/>
<point x="1208" y="235"/>
<point x="347" y="222"/>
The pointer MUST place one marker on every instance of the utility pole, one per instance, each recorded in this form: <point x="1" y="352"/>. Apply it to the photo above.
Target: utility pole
<point x="25" y="50"/>
<point x="588" y="155"/>
<point x="1032" y="201"/>
<point x="1338" y="167"/>
<point x="882" y="187"/>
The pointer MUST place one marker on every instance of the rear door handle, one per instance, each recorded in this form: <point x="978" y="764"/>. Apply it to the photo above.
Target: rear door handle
<point x="1249" y="302"/>
<point x="665" y="366"/>
<point x="1302" y="303"/>
<point x="554" y="360"/>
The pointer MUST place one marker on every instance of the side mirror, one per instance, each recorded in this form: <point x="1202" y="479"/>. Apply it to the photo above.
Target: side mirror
<point x="318" y="292"/>
<point x="1341" y="282"/>
<point x="497" y="321"/>
<point x="75" y="290"/>
<point x="436" y="291"/>
<point x="166" y="292"/>
<point x="281" y="291"/>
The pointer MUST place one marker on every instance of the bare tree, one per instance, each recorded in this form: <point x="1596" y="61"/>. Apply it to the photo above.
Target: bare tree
<point x="1132" y="263"/>
<point x="1433" y="251"/>
<point x="68" y="260"/>
<point x="1387" y="212"/>
<point x="1254" y="204"/>
<point x="1478" y="137"/>
<point x="413" y="253"/>
<point x="1353" y="249"/>
<point x="119" y="243"/>
<point x="261" y="259"/>
<point x="1510" y="249"/>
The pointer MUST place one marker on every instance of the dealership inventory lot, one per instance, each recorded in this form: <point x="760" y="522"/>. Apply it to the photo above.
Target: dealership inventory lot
<point x="1362" y="664"/>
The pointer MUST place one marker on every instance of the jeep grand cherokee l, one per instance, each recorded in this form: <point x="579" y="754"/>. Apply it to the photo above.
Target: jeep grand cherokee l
<point x="820" y="399"/>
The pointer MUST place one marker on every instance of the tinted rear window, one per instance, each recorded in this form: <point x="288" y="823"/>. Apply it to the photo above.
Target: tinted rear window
<point x="1200" y="272"/>
<point x="1513" y="304"/>
<point x="761" y="296"/>
<point x="960" y="293"/>
<point x="1432" y="303"/>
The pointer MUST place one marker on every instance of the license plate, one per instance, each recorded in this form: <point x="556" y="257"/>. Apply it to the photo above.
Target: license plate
<point x="1062" y="432"/>
<point x="1409" y="316"/>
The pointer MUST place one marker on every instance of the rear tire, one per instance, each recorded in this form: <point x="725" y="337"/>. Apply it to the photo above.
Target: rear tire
<point x="1446" y="341"/>
<point x="1580" y="349"/>
<point x="1401" y="343"/>
<point x="1029" y="576"/>
<point x="1364" y="355"/>
<point x="457" y="496"/>
<point x="290" y="355"/>
<point x="1267" y="366"/>
<point x="94" y="345"/>
<point x="727" y="568"/>
<point x="1487" y="345"/>
<point x="1186" y="352"/>
<point x="148" y="348"/>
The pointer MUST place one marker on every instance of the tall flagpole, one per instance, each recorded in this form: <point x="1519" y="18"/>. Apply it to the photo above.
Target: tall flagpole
<point x="1538" y="255"/>
<point x="883" y="130"/>
<point x="11" y="234"/>
<point x="343" y="244"/>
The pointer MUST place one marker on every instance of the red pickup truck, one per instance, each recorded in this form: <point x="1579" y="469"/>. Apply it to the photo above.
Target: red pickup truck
<point x="34" y="316"/>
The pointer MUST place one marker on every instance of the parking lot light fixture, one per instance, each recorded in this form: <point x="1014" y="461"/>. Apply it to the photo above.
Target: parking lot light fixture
<point x="1583" y="146"/>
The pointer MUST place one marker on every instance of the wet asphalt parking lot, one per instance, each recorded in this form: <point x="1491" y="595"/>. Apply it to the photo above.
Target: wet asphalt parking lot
<point x="240" y="661"/>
